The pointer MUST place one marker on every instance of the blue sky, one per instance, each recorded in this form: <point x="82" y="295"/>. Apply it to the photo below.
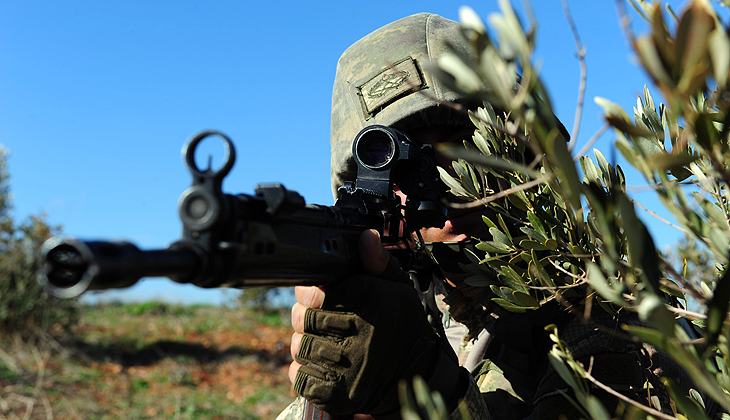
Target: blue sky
<point x="97" y="98"/>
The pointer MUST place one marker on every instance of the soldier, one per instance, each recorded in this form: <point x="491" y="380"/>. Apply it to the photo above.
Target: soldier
<point x="354" y="342"/>
<point x="376" y="322"/>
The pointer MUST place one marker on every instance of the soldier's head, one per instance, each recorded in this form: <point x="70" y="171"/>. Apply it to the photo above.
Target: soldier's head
<point x="381" y="79"/>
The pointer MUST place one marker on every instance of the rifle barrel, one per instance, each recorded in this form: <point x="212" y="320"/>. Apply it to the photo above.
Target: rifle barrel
<point x="70" y="266"/>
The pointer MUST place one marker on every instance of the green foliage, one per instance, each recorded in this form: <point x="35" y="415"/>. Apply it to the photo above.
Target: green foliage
<point x="562" y="361"/>
<point x="421" y="403"/>
<point x="24" y="307"/>
<point x="560" y="234"/>
<point x="697" y="265"/>
<point x="158" y="308"/>
<point x="262" y="298"/>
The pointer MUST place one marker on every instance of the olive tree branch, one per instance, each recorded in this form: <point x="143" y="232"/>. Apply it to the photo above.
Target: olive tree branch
<point x="661" y="185"/>
<point x="581" y="54"/>
<point x="464" y="110"/>
<point x="670" y="308"/>
<point x="590" y="143"/>
<point x="652" y="411"/>
<point x="625" y="21"/>
<point x="699" y="296"/>
<point x="497" y="196"/>
<point x="636" y="203"/>
<point x="586" y="319"/>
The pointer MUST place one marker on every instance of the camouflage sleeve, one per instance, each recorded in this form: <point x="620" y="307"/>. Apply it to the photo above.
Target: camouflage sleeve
<point x="472" y="407"/>
<point x="293" y="411"/>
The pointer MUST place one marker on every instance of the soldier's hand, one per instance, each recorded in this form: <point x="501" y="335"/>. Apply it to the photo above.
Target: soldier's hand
<point x="356" y="340"/>
<point x="374" y="259"/>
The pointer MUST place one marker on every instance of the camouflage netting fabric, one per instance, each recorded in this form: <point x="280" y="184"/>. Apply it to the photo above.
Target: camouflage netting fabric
<point x="381" y="80"/>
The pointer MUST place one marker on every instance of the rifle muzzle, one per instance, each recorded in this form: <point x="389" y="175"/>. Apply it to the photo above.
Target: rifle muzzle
<point x="69" y="266"/>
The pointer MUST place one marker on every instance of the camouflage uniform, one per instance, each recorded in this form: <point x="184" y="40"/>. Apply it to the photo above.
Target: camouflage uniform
<point x="516" y="380"/>
<point x="384" y="79"/>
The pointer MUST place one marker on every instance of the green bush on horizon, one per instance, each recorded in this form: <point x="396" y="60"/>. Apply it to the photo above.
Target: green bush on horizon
<point x="25" y="308"/>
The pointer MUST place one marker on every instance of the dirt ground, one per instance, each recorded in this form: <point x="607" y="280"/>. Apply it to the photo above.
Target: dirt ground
<point x="151" y="361"/>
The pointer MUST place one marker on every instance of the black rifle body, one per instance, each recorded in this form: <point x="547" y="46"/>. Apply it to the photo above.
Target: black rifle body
<point x="272" y="238"/>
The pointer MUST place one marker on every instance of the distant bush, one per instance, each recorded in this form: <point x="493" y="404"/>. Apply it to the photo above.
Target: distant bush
<point x="265" y="298"/>
<point x="25" y="308"/>
<point x="158" y="308"/>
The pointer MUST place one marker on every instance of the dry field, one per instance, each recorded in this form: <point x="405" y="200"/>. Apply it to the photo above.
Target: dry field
<point x="151" y="361"/>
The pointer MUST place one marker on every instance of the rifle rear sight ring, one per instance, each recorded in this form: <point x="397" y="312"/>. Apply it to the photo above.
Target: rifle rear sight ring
<point x="188" y="152"/>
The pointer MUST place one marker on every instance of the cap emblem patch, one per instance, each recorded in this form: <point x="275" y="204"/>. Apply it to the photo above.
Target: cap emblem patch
<point x="390" y="84"/>
<point x="387" y="82"/>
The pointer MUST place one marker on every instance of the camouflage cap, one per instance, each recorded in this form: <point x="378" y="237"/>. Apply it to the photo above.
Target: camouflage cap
<point x="377" y="81"/>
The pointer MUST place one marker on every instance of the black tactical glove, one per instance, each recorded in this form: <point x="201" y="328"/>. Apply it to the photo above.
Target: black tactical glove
<point x="370" y="333"/>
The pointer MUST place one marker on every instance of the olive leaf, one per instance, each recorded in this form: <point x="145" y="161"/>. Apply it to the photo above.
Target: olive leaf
<point x="574" y="233"/>
<point x="453" y="184"/>
<point x="686" y="359"/>
<point x="465" y="77"/>
<point x="685" y="404"/>
<point x="717" y="309"/>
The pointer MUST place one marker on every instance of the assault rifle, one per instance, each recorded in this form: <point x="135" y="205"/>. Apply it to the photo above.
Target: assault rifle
<point x="271" y="238"/>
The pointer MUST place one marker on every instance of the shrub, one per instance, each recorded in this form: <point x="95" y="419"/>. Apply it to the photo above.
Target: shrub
<point x="560" y="234"/>
<point x="25" y="308"/>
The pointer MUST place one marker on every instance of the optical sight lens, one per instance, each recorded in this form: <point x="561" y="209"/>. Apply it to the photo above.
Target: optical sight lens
<point x="375" y="149"/>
